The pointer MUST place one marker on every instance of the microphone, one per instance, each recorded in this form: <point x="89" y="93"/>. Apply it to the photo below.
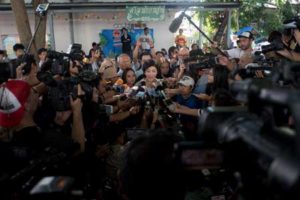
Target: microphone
<point x="174" y="26"/>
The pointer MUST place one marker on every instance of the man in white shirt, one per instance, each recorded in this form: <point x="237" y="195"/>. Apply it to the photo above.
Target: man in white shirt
<point x="243" y="52"/>
<point x="146" y="39"/>
<point x="245" y="41"/>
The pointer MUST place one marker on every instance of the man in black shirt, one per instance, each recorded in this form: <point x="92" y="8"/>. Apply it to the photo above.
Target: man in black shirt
<point x="19" y="50"/>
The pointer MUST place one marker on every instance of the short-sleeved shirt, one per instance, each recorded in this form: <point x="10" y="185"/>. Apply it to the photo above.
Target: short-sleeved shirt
<point x="145" y="44"/>
<point x="235" y="53"/>
<point x="180" y="40"/>
<point x="191" y="102"/>
<point x="189" y="122"/>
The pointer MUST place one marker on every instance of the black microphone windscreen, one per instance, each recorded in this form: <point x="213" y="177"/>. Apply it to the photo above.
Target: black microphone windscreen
<point x="174" y="26"/>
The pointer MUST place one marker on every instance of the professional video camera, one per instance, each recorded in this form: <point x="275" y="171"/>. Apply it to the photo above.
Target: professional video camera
<point x="74" y="53"/>
<point x="51" y="174"/>
<point x="59" y="94"/>
<point x="58" y="62"/>
<point x="207" y="61"/>
<point x="250" y="70"/>
<point x="257" y="141"/>
<point x="275" y="45"/>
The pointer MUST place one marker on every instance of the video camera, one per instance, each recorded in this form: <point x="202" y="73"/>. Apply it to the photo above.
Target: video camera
<point x="275" y="45"/>
<point x="58" y="63"/>
<point x="59" y="94"/>
<point x="256" y="140"/>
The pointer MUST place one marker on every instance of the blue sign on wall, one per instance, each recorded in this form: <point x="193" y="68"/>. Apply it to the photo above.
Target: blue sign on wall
<point x="113" y="45"/>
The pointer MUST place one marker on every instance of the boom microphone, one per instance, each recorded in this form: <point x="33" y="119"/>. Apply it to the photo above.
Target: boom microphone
<point x="176" y="23"/>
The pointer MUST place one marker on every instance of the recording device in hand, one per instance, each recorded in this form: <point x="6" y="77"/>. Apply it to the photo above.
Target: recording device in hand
<point x="27" y="58"/>
<point x="253" y="141"/>
<point x="275" y="45"/>
<point x="59" y="93"/>
<point x="206" y="62"/>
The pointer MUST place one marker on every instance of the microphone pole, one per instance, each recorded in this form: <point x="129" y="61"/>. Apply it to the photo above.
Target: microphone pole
<point x="191" y="21"/>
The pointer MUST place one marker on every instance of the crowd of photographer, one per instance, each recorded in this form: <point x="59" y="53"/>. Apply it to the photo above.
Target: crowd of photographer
<point x="112" y="123"/>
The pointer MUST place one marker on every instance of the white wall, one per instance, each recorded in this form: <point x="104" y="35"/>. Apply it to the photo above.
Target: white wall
<point x="86" y="29"/>
<point x="8" y="28"/>
<point x="61" y="32"/>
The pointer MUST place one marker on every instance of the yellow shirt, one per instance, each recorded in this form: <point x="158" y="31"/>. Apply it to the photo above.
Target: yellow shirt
<point x="180" y="40"/>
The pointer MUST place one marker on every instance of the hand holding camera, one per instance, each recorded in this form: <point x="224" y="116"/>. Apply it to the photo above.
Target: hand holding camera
<point x="19" y="70"/>
<point x="76" y="104"/>
<point x="134" y="110"/>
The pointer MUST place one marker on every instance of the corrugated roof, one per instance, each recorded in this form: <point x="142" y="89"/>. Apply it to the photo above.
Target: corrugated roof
<point x="115" y="4"/>
<point x="120" y="1"/>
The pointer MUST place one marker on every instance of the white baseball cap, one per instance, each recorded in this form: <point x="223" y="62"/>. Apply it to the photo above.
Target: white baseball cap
<point x="187" y="81"/>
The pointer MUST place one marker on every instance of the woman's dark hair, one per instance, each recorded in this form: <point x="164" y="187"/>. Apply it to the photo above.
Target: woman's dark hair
<point x="171" y="50"/>
<point x="160" y="75"/>
<point x="223" y="97"/>
<point x="221" y="74"/>
<point x="149" y="63"/>
<point x="274" y="36"/>
<point x="125" y="74"/>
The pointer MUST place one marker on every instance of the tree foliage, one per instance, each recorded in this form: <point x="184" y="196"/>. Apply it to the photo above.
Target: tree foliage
<point x="252" y="13"/>
<point x="255" y="12"/>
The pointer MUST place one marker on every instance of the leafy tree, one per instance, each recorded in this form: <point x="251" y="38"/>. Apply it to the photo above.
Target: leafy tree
<point x="265" y="19"/>
<point x="251" y="12"/>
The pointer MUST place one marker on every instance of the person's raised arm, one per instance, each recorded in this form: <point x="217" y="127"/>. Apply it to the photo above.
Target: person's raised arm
<point x="78" y="133"/>
<point x="123" y="115"/>
<point x="152" y="49"/>
<point x="291" y="55"/>
<point x="136" y="51"/>
<point x="186" y="110"/>
<point x="182" y="68"/>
